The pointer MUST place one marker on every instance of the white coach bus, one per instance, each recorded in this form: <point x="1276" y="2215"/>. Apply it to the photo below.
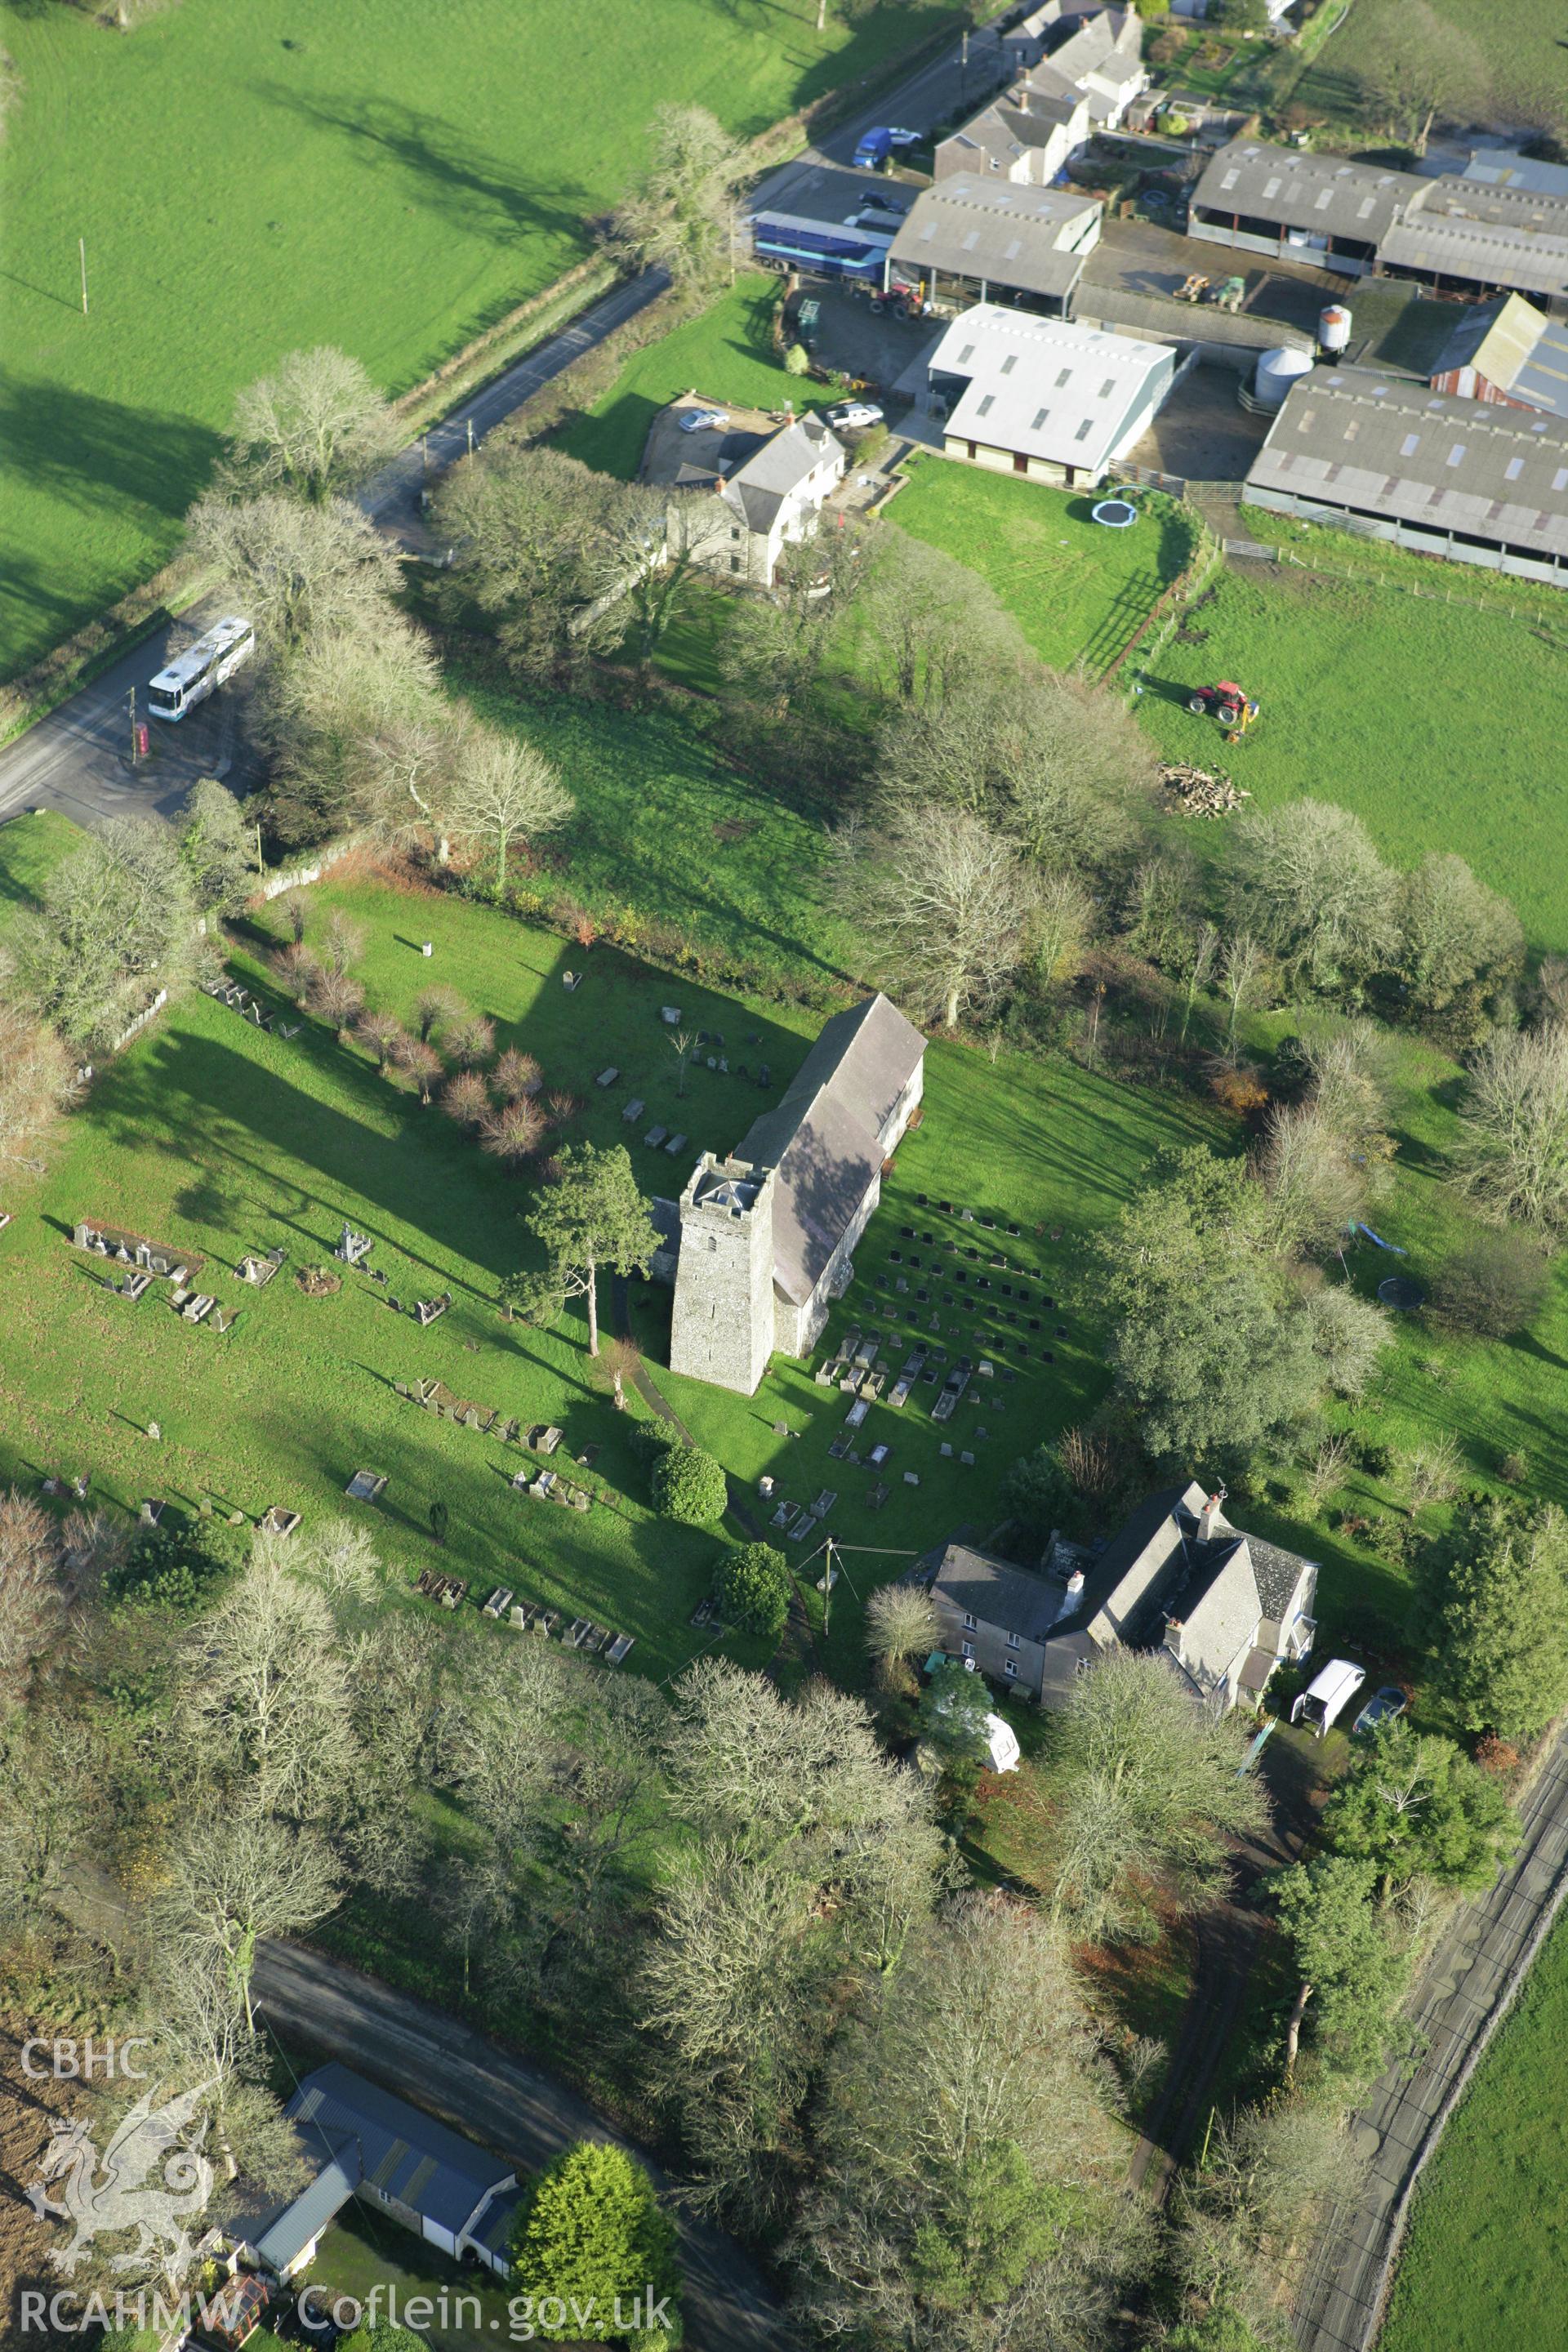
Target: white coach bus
<point x="192" y="676"/>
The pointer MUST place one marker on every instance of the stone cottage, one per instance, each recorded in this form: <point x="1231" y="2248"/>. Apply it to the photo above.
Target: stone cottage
<point x="760" y="1243"/>
<point x="1221" y="1608"/>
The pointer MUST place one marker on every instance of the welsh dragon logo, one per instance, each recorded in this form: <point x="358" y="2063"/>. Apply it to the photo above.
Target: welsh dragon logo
<point x="109" y="2195"/>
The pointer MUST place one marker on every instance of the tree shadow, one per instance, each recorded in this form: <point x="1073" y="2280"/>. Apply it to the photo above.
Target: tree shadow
<point x="97" y="454"/>
<point x="443" y="167"/>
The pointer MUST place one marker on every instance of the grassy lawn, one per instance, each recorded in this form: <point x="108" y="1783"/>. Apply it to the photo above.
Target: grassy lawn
<point x="363" y="2255"/>
<point x="367" y="174"/>
<point x="664" y="826"/>
<point x="1077" y="589"/>
<point x="30" y="849"/>
<point x="1483" y="2262"/>
<point x="725" y="353"/>
<point x="1437" y="724"/>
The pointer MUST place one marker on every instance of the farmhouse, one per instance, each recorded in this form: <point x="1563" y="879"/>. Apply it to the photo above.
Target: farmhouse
<point x="1508" y="354"/>
<point x="1453" y="234"/>
<point x="358" y="2140"/>
<point x="1473" y="480"/>
<point x="1061" y="96"/>
<point x="764" y="1238"/>
<point x="1037" y="396"/>
<point x="1220" y="1608"/>
<point x="769" y="500"/>
<point x="968" y="236"/>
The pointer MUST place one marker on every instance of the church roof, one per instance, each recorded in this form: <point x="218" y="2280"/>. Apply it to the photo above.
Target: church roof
<point x="825" y="1138"/>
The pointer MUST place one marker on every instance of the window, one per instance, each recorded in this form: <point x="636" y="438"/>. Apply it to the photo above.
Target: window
<point x="735" y="531"/>
<point x="1560" y="478"/>
<point x="1512" y="470"/>
<point x="968" y="1649"/>
<point x="1308" y="418"/>
<point x="1085" y="429"/>
<point x="1456" y="456"/>
<point x="987" y="405"/>
<point x="1065" y="377"/>
<point x="1010" y="363"/>
<point x="1409" y="446"/>
<point x="1323" y="200"/>
<point x="1008" y="1668"/>
<point x="969" y="1622"/>
<point x="1108" y="387"/>
<point x="1012" y="1641"/>
<point x="1352" y="428"/>
<point x="965" y="354"/>
<point x="1040" y="416"/>
<point x="734" y="566"/>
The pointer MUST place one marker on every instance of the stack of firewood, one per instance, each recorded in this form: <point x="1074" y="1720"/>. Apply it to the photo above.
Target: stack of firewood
<point x="1200" y="792"/>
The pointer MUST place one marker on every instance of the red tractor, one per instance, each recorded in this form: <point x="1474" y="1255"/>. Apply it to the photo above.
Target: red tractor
<point x="1229" y="703"/>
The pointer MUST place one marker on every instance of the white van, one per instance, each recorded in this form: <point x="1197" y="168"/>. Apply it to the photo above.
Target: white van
<point x="192" y="676"/>
<point x="1328" y="1695"/>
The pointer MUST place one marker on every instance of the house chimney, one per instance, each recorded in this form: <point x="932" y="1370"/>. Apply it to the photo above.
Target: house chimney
<point x="1173" y="1630"/>
<point x="1209" y="1514"/>
<point x="1071" y="1597"/>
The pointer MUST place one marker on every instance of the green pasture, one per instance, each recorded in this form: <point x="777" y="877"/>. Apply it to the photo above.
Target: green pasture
<point x="1483" y="2262"/>
<point x="373" y="173"/>
<point x="1078" y="589"/>
<point x="30" y="849"/>
<point x="1437" y="723"/>
<point x="1521" y="67"/>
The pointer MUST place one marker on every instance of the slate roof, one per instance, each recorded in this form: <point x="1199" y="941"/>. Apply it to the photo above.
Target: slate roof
<point x="973" y="227"/>
<point x="1324" y="194"/>
<point x="977" y="1584"/>
<point x="1352" y="438"/>
<point x="774" y="472"/>
<point x="1047" y="388"/>
<point x="280" y="2230"/>
<point x="824" y="1136"/>
<point x="403" y="2153"/>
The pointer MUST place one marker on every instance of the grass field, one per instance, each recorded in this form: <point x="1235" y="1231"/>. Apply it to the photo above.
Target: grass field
<point x="1079" y="590"/>
<point x="1437" y="724"/>
<point x="30" y="849"/>
<point x="373" y="175"/>
<point x="726" y="353"/>
<point x="1520" y="47"/>
<point x="1483" y="2263"/>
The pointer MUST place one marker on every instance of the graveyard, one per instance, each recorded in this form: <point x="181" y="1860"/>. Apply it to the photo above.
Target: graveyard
<point x="353" y="1240"/>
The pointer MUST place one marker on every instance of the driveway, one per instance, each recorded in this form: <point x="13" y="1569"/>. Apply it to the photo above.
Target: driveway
<point x="514" y="2107"/>
<point x="77" y="760"/>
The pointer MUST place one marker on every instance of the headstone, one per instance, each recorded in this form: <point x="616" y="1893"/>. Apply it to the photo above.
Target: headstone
<point x="670" y="1015"/>
<point x="153" y="1431"/>
<point x="427" y="947"/>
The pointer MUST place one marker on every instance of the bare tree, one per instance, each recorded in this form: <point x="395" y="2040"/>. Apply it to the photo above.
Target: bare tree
<point x="434" y="1007"/>
<point x="619" y="1361"/>
<point x="682" y="216"/>
<point x="1433" y="1472"/>
<point x="505" y="790"/>
<point x="1513" y="1149"/>
<point x="236" y="1877"/>
<point x="267" y="1694"/>
<point x="380" y="1032"/>
<point x="942" y="903"/>
<point x="422" y="1064"/>
<point x="297" y="570"/>
<point x="467" y="1099"/>
<point x="1089" y="1460"/>
<point x="1061" y="923"/>
<point x="336" y="998"/>
<point x="470" y="1041"/>
<point x="1326" y="1471"/>
<point x="1312" y="1181"/>
<point x="682" y="1044"/>
<point x="116" y="915"/>
<point x="32" y="1605"/>
<point x="1321" y="894"/>
<point x="537" y="537"/>
<point x="517" y="1076"/>
<point x="1242" y="966"/>
<point x="901" y="1623"/>
<point x="512" y="1131"/>
<point x="938" y="625"/>
<point x="317" y="425"/>
<point x="36" y="1081"/>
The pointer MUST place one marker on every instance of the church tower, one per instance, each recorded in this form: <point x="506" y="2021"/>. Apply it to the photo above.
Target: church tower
<point x="723" y="1326"/>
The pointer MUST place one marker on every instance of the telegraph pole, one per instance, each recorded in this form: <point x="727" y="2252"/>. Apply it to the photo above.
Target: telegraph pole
<point x="132" y="699"/>
<point x="81" y="248"/>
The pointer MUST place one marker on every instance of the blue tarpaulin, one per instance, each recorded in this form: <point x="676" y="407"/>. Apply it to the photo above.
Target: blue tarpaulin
<point x="1357" y="1227"/>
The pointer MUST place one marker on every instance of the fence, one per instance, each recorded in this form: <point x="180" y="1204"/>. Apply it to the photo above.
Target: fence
<point x="1253" y="550"/>
<point x="86" y="1072"/>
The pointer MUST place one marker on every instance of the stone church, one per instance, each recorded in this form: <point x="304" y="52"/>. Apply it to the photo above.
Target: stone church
<point x="760" y="1243"/>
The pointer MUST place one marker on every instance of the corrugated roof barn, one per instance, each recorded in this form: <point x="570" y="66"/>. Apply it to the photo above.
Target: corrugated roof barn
<point x="1034" y="240"/>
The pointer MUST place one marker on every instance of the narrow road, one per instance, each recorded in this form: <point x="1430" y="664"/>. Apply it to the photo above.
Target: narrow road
<point x="1467" y="1986"/>
<point x="513" y="2107"/>
<point x="77" y="760"/>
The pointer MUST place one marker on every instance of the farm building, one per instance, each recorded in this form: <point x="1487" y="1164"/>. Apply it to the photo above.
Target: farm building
<point x="744" y="494"/>
<point x="354" y="2139"/>
<point x="762" y="1241"/>
<point x="968" y="237"/>
<point x="1220" y="1608"/>
<point x="1038" y="398"/>
<point x="1274" y="200"/>
<point x="1453" y="234"/>
<point x="1065" y="90"/>
<point x="1469" y="479"/>
<point x="1507" y="352"/>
